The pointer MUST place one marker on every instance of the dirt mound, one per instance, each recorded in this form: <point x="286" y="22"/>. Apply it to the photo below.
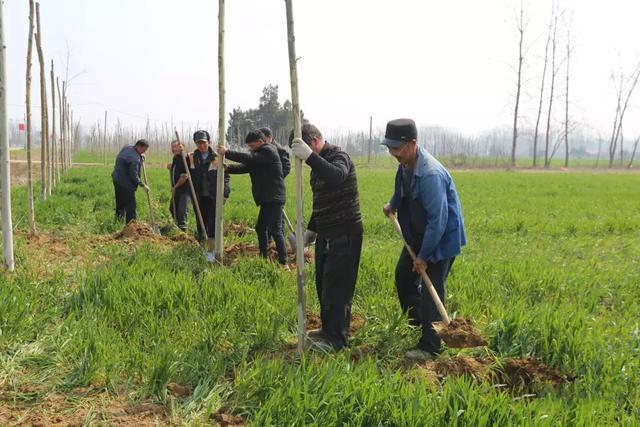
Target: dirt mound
<point x="524" y="372"/>
<point x="459" y="365"/>
<point x="227" y="420"/>
<point x="237" y="250"/>
<point x="314" y="322"/>
<point x="238" y="229"/>
<point x="179" y="390"/>
<point x="136" y="231"/>
<point x="459" y="333"/>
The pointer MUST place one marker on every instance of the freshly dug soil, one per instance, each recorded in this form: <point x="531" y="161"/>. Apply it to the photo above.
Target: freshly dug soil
<point x="524" y="372"/>
<point x="314" y="322"/>
<point x="238" y="229"/>
<point x="459" y="333"/>
<point x="136" y="231"/>
<point x="237" y="250"/>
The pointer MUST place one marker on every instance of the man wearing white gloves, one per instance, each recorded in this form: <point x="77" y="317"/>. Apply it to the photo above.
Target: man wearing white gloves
<point x="337" y="220"/>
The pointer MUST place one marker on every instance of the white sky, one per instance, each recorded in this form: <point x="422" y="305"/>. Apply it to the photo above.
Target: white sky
<point x="440" y="62"/>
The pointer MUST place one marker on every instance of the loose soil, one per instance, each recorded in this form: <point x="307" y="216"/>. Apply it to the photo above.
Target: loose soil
<point x="235" y="251"/>
<point x="459" y="333"/>
<point x="140" y="232"/>
<point x="314" y="322"/>
<point x="237" y="229"/>
<point x="227" y="420"/>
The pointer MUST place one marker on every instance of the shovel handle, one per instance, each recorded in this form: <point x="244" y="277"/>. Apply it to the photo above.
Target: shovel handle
<point x="144" y="176"/>
<point x="423" y="273"/>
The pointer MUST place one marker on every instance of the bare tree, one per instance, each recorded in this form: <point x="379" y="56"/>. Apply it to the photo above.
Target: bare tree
<point x="219" y="213"/>
<point x="554" y="72"/>
<point x="633" y="153"/>
<point x="566" y="99"/>
<point x="30" y="214"/>
<point x="521" y="27"/>
<point x="5" y="165"/>
<point x="542" y="81"/>
<point x="44" y="120"/>
<point x="624" y="89"/>
<point x="53" y="168"/>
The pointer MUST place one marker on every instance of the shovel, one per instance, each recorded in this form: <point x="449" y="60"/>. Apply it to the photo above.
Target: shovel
<point x="154" y="226"/>
<point x="458" y="333"/>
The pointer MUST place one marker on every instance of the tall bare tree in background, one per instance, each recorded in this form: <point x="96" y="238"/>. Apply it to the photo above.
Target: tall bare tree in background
<point x="542" y="82"/>
<point x="624" y="90"/>
<point x="633" y="153"/>
<point x="30" y="214"/>
<point x="219" y="214"/>
<point x="520" y="24"/>
<point x="44" y="111"/>
<point x="566" y="97"/>
<point x="554" y="73"/>
<point x="54" y="171"/>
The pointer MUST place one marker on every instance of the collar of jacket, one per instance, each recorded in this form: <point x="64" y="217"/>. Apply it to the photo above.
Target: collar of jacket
<point x="421" y="162"/>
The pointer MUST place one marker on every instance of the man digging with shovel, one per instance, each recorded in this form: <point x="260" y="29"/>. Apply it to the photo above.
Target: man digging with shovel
<point x="430" y="215"/>
<point x="126" y="179"/>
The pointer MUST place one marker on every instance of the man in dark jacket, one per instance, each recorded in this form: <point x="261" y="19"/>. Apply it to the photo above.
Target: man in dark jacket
<point x="180" y="192"/>
<point x="203" y="166"/>
<point x="263" y="165"/>
<point x="337" y="220"/>
<point x="430" y="216"/>
<point x="282" y="153"/>
<point x="126" y="179"/>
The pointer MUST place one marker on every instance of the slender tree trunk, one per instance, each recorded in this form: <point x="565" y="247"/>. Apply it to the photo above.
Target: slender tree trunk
<point x="599" y="147"/>
<point x="633" y="153"/>
<point x="297" y="133"/>
<point x="31" y="214"/>
<point x="566" y="105"/>
<point x="544" y="75"/>
<point x="104" y="140"/>
<point x="44" y="120"/>
<point x="370" y="139"/>
<point x="61" y="169"/>
<point x="518" y="87"/>
<point x="551" y="91"/>
<point x="219" y="218"/>
<point x="53" y="170"/>
<point x="5" y="164"/>
<point x="622" y="110"/>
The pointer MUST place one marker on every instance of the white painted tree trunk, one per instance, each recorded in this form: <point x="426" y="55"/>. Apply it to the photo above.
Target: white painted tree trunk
<point x="5" y="165"/>
<point x="30" y="209"/>
<point x="44" y="109"/>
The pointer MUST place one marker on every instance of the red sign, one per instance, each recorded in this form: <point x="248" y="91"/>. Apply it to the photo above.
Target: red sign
<point x="21" y="127"/>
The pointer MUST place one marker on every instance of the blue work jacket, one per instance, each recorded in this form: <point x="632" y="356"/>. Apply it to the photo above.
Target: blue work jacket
<point x="436" y="205"/>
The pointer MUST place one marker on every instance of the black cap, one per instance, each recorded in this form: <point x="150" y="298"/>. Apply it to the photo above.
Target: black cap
<point x="399" y="131"/>
<point x="201" y="135"/>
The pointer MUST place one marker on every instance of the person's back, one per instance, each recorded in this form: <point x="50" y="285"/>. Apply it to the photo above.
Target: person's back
<point x="126" y="171"/>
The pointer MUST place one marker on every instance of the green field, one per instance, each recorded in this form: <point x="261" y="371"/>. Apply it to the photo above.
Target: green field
<point x="93" y="329"/>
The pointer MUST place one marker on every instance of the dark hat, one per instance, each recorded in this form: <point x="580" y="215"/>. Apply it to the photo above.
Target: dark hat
<point x="399" y="131"/>
<point x="201" y="135"/>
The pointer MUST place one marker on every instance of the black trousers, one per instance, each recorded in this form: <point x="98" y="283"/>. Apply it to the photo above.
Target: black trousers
<point x="208" y="209"/>
<point x="337" y="263"/>
<point x="270" y="224"/>
<point x="415" y="298"/>
<point x="182" y="201"/>
<point x="125" y="203"/>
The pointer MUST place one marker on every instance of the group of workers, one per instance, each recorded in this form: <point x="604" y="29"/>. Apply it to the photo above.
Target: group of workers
<point x="424" y="197"/>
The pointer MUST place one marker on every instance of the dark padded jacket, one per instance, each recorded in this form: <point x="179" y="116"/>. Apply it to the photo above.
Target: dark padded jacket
<point x="284" y="159"/>
<point x="336" y="205"/>
<point x="126" y="172"/>
<point x="199" y="170"/>
<point x="265" y="169"/>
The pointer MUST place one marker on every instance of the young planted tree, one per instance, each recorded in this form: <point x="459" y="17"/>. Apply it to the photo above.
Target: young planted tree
<point x="5" y="164"/>
<point x="30" y="209"/>
<point x="566" y="100"/>
<point x="633" y="153"/>
<point x="542" y="81"/>
<point x="219" y="226"/>
<point x="44" y="120"/>
<point x="297" y="133"/>
<point x="624" y="90"/>
<point x="53" y="168"/>
<point x="554" y="72"/>
<point x="521" y="27"/>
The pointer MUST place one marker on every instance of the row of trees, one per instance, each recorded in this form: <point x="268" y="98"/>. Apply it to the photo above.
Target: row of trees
<point x="556" y="59"/>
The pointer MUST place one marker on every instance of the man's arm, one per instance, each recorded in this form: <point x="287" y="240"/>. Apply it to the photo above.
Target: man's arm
<point x="433" y="197"/>
<point x="237" y="169"/>
<point x="133" y="172"/>
<point x="335" y="172"/>
<point x="252" y="159"/>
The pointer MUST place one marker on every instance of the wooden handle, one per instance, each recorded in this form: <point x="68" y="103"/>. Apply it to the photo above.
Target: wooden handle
<point x="423" y="273"/>
<point x="146" y="182"/>
<point x="193" y="190"/>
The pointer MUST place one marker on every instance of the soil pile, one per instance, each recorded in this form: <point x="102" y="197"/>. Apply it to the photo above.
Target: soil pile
<point x="459" y="333"/>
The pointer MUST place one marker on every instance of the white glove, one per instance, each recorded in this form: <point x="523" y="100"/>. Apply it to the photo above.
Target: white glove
<point x="300" y="149"/>
<point x="146" y="188"/>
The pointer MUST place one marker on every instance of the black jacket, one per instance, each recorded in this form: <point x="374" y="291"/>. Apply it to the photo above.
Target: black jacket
<point x="178" y="170"/>
<point x="206" y="171"/>
<point x="126" y="172"/>
<point x="284" y="159"/>
<point x="336" y="205"/>
<point x="265" y="169"/>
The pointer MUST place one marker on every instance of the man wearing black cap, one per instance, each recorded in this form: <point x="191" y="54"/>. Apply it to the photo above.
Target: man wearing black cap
<point x="203" y="166"/>
<point x="430" y="216"/>
<point x="126" y="179"/>
<point x="263" y="165"/>
<point x="337" y="220"/>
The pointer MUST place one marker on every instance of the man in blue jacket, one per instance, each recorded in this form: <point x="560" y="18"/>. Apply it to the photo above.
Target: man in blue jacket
<point x="430" y="216"/>
<point x="126" y="179"/>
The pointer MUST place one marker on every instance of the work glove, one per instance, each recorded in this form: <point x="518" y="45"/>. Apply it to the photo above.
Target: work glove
<point x="308" y="239"/>
<point x="300" y="149"/>
<point x="146" y="188"/>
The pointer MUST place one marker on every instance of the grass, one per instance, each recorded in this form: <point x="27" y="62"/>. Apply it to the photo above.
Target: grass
<point x="551" y="271"/>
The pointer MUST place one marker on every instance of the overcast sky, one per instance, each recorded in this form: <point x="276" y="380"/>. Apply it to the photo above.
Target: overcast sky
<point x="440" y="62"/>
